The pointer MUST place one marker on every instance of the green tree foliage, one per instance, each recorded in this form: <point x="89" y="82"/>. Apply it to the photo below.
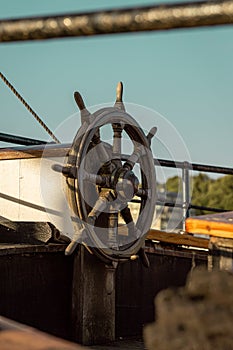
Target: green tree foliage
<point x="206" y="191"/>
<point x="173" y="184"/>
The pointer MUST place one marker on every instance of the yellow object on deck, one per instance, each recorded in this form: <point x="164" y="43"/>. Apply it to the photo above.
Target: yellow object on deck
<point x="218" y="225"/>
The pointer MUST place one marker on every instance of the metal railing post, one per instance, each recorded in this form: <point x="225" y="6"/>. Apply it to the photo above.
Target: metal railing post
<point x="185" y="193"/>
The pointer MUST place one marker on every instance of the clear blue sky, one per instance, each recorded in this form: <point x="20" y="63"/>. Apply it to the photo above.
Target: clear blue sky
<point x="186" y="75"/>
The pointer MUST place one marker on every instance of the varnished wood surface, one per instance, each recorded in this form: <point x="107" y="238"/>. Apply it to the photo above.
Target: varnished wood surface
<point x="178" y="239"/>
<point x="15" y="340"/>
<point x="217" y="225"/>
<point x="172" y="238"/>
<point x="156" y="235"/>
<point x="15" y="336"/>
<point x="12" y="249"/>
<point x="34" y="152"/>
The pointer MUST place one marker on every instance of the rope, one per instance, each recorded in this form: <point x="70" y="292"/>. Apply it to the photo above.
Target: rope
<point x="35" y="115"/>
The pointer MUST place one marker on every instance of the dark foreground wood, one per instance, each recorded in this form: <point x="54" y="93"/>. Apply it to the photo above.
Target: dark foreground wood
<point x="14" y="336"/>
<point x="45" y="289"/>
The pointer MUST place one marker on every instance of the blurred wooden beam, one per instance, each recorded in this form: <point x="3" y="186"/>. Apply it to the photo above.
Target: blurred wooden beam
<point x="136" y="19"/>
<point x="14" y="336"/>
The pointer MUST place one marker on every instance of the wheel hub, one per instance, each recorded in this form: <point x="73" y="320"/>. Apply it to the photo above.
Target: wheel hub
<point x="126" y="184"/>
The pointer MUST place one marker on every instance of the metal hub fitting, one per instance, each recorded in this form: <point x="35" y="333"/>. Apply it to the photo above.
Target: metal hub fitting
<point x="126" y="185"/>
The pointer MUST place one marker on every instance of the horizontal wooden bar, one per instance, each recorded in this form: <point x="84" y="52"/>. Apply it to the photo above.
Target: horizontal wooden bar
<point x="166" y="237"/>
<point x="34" y="152"/>
<point x="135" y="19"/>
<point x="171" y="238"/>
<point x="178" y="239"/>
<point x="205" y="229"/>
<point x="54" y="150"/>
<point x="13" y="249"/>
<point x="217" y="225"/>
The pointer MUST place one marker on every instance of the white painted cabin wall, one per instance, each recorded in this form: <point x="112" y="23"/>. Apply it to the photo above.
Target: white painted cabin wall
<point x="31" y="191"/>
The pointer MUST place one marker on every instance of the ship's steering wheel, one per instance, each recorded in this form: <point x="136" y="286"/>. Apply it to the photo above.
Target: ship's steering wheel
<point x="101" y="182"/>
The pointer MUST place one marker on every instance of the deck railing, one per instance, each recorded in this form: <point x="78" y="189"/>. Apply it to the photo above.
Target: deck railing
<point x="186" y="168"/>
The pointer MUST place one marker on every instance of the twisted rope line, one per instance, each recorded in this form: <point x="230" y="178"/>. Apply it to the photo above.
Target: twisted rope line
<point x="35" y="115"/>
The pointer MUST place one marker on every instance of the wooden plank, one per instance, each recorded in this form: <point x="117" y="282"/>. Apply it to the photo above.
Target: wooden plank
<point x="13" y="249"/>
<point x="34" y="340"/>
<point x="217" y="225"/>
<point x="14" y="336"/>
<point x="34" y="152"/>
<point x="27" y="232"/>
<point x="7" y="324"/>
<point x="178" y="239"/>
<point x="171" y="238"/>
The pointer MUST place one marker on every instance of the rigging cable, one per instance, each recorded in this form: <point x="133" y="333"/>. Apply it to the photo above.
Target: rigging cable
<point x="35" y="115"/>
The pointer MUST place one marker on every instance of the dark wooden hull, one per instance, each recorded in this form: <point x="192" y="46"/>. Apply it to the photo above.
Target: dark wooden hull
<point x="39" y="286"/>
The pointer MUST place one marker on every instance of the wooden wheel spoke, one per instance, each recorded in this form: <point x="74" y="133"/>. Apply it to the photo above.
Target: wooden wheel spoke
<point x="102" y="154"/>
<point x="128" y="219"/>
<point x="113" y="230"/>
<point x="117" y="134"/>
<point x="100" y="180"/>
<point x="100" y="206"/>
<point x="133" y="159"/>
<point x="126" y="215"/>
